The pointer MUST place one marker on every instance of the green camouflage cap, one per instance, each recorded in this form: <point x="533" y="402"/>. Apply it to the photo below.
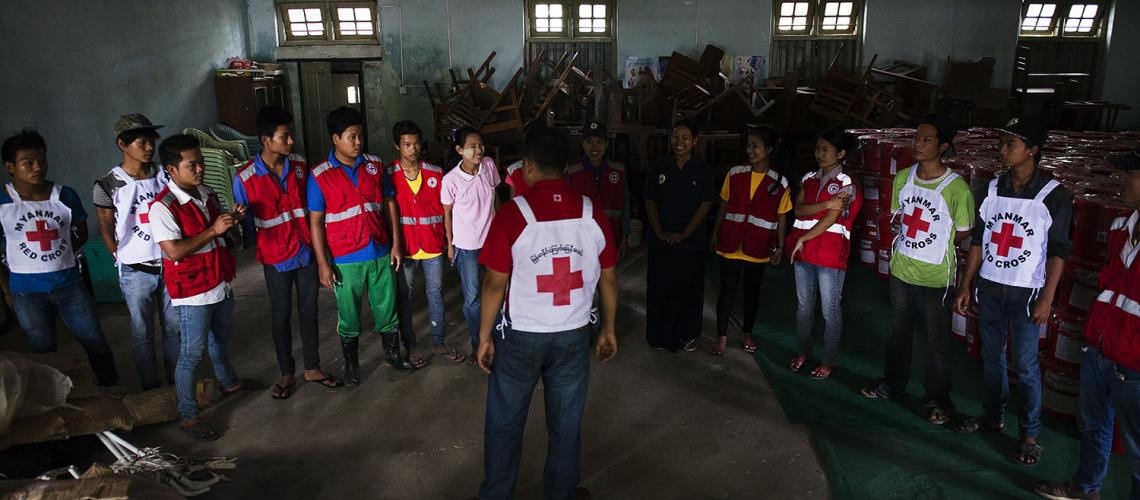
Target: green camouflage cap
<point x="133" y="121"/>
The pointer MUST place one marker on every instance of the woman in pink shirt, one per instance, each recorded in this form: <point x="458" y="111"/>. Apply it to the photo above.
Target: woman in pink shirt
<point x="469" y="204"/>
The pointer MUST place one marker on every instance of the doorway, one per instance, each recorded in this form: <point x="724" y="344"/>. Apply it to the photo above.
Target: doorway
<point x="325" y="86"/>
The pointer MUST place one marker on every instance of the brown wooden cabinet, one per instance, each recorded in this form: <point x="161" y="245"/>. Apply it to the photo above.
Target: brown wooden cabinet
<point x="241" y="97"/>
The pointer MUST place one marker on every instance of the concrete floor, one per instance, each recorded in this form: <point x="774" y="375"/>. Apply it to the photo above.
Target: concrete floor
<point x="657" y="425"/>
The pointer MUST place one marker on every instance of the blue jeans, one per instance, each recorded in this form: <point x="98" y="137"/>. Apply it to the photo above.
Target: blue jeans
<point x="204" y="328"/>
<point x="826" y="283"/>
<point x="1108" y="390"/>
<point x="470" y="278"/>
<point x="562" y="361"/>
<point x="37" y="313"/>
<point x="996" y="317"/>
<point x="433" y="286"/>
<point x="145" y="295"/>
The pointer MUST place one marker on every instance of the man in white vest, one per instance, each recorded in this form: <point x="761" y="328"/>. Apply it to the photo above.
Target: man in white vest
<point x="546" y="251"/>
<point x="1018" y="247"/>
<point x="122" y="202"/>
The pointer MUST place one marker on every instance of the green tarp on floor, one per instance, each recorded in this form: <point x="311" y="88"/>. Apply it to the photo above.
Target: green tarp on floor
<point x="886" y="449"/>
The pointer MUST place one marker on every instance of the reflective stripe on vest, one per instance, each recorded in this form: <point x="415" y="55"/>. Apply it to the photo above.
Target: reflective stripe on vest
<point x="836" y="228"/>
<point x="296" y="213"/>
<point x="1121" y="301"/>
<point x="766" y="224"/>
<point x="352" y="212"/>
<point x="423" y="221"/>
<point x="734" y="217"/>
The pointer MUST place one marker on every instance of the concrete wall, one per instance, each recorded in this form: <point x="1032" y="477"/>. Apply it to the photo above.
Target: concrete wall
<point x="71" y="76"/>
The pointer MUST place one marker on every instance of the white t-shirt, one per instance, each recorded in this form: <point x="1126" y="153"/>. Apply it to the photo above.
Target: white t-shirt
<point x="164" y="228"/>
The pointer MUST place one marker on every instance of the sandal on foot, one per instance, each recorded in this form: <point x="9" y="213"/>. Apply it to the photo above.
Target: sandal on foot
<point x="1030" y="454"/>
<point x="937" y="415"/>
<point x="716" y="349"/>
<point x="689" y="345"/>
<point x="198" y="430"/>
<point x="796" y="363"/>
<point x="282" y="391"/>
<point x="748" y="345"/>
<point x="417" y="360"/>
<point x="447" y="353"/>
<point x="821" y="372"/>
<point x="975" y="424"/>
<point x="872" y="392"/>
<point x="328" y="381"/>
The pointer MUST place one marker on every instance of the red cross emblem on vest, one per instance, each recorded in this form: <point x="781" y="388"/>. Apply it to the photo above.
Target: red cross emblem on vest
<point x="1005" y="239"/>
<point x="914" y="223"/>
<point x="144" y="218"/>
<point x="561" y="282"/>
<point x="43" y="235"/>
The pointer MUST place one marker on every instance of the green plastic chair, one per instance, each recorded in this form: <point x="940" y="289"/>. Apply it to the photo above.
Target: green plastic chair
<point x="219" y="175"/>
<point x="236" y="149"/>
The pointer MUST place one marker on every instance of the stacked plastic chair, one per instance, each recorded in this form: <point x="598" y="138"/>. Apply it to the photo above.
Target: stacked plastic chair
<point x="219" y="176"/>
<point x="236" y="149"/>
<point x="227" y="133"/>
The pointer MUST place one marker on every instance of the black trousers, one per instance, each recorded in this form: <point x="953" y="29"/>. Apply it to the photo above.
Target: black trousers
<point x="675" y="296"/>
<point x="732" y="272"/>
<point x="280" y="286"/>
<point x="925" y="310"/>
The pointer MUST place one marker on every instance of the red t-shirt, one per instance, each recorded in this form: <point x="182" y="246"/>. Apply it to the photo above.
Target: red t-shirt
<point x="550" y="200"/>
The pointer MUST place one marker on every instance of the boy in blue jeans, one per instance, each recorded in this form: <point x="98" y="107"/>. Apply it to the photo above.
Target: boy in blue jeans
<point x="43" y="223"/>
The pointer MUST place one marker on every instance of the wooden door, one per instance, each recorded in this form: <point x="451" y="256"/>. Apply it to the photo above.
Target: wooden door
<point x="317" y="102"/>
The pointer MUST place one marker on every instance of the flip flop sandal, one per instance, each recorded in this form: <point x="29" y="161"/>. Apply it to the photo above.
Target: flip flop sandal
<point x="872" y="392"/>
<point x="821" y="372"/>
<point x="975" y="424"/>
<point x="199" y="431"/>
<point x="689" y="345"/>
<point x="716" y="350"/>
<point x="937" y="416"/>
<point x="796" y="363"/>
<point x="245" y="384"/>
<point x="1030" y="454"/>
<point x="329" y="382"/>
<point x="450" y="354"/>
<point x="748" y="345"/>
<point x="282" y="391"/>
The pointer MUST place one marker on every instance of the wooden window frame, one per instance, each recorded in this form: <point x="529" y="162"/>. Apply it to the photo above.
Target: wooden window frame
<point x="570" y="22"/>
<point x="328" y="18"/>
<point x="1060" y="17"/>
<point x="815" y="16"/>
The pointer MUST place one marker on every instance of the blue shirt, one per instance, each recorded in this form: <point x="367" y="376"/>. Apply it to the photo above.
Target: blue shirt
<point x="304" y="254"/>
<point x="52" y="280"/>
<point x="373" y="250"/>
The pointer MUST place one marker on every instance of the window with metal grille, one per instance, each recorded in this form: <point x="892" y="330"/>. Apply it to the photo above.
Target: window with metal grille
<point x="570" y="19"/>
<point x="816" y="18"/>
<point x="327" y="22"/>
<point x="1061" y="19"/>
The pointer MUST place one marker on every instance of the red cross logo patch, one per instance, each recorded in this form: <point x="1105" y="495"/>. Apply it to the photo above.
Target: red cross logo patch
<point x="560" y="282"/>
<point x="1005" y="239"/>
<point x="44" y="236"/>
<point x="915" y="223"/>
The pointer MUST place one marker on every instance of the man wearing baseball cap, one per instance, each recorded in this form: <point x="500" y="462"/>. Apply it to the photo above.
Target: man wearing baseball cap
<point x="603" y="181"/>
<point x="1018" y="247"/>
<point x="122" y="202"/>
<point x="1111" y="365"/>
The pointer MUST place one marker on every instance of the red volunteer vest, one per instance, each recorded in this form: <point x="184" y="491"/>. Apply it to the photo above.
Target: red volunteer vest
<point x="353" y="214"/>
<point x="278" y="214"/>
<point x="831" y="248"/>
<point x="200" y="272"/>
<point x="607" y="191"/>
<point x="421" y="213"/>
<point x="1114" y="317"/>
<point x="750" y="221"/>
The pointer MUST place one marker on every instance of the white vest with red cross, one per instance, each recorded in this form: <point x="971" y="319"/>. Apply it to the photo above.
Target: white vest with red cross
<point x="353" y="212"/>
<point x="831" y="248"/>
<point x="556" y="270"/>
<point x="1015" y="236"/>
<point x="421" y="213"/>
<point x="37" y="234"/>
<point x="927" y="232"/>
<point x="607" y="190"/>
<point x="1114" y="317"/>
<point x="750" y="219"/>
<point x="278" y="214"/>
<point x="132" y="221"/>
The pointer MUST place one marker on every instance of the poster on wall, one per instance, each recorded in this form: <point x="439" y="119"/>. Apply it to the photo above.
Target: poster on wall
<point x="638" y="70"/>
<point x="750" y="68"/>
